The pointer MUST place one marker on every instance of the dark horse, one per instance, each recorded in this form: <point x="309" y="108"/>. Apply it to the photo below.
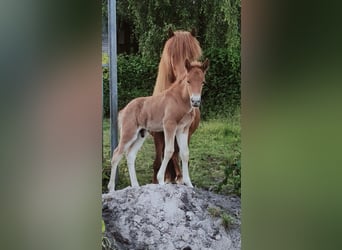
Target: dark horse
<point x="180" y="46"/>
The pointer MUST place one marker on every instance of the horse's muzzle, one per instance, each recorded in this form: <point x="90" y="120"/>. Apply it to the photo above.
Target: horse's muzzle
<point x="195" y="101"/>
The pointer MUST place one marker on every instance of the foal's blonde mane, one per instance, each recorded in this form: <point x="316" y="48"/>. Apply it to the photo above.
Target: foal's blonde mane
<point x="180" y="46"/>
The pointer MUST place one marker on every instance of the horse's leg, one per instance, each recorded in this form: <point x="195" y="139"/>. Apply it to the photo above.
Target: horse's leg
<point x="117" y="156"/>
<point x="176" y="168"/>
<point x="182" y="139"/>
<point x="158" y="138"/>
<point x="170" y="173"/>
<point x="126" y="140"/>
<point x="169" y="135"/>
<point x="195" y="123"/>
<point x="131" y="154"/>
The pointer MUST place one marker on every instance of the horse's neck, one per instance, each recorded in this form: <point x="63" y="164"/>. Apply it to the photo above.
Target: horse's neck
<point x="166" y="80"/>
<point x="180" y="87"/>
<point x="181" y="76"/>
<point x="159" y="87"/>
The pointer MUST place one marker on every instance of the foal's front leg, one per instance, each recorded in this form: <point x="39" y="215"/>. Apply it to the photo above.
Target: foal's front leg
<point x="182" y="139"/>
<point x="169" y="134"/>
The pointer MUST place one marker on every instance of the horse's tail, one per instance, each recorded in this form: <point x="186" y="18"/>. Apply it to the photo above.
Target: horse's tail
<point x="120" y="120"/>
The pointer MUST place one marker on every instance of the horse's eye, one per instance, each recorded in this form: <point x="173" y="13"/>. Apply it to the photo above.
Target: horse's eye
<point x="188" y="82"/>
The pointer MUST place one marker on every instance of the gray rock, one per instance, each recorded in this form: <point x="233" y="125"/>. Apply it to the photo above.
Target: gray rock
<point x="169" y="217"/>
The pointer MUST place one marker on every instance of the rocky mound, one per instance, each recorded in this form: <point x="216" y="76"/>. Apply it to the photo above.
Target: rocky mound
<point x="170" y="217"/>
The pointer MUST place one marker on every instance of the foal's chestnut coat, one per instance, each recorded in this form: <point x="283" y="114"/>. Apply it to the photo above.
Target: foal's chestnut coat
<point x="171" y="111"/>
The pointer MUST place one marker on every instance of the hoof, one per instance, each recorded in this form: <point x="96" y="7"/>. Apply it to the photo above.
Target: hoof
<point x="160" y="179"/>
<point x="168" y="180"/>
<point x="111" y="188"/>
<point x="135" y="185"/>
<point x="179" y="180"/>
<point x="188" y="183"/>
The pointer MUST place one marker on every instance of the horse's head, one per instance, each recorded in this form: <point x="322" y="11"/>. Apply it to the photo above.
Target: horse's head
<point x="179" y="46"/>
<point x="195" y="79"/>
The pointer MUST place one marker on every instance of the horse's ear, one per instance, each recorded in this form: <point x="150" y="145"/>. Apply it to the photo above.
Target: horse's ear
<point x="170" y="33"/>
<point x="193" y="32"/>
<point x="205" y="65"/>
<point x="187" y="64"/>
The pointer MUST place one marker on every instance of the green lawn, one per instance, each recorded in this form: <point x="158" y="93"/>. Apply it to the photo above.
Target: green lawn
<point x="215" y="149"/>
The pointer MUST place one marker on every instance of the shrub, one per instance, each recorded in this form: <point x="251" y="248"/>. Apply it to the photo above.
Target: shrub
<point x="136" y="77"/>
<point x="221" y="94"/>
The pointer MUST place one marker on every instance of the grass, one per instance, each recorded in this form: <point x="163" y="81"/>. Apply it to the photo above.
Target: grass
<point x="226" y="219"/>
<point x="214" y="146"/>
<point x="214" y="211"/>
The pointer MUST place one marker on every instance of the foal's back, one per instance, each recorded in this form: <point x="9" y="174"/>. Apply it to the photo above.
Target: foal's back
<point x="150" y="112"/>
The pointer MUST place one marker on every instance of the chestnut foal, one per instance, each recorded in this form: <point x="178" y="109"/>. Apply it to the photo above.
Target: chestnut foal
<point x="171" y="111"/>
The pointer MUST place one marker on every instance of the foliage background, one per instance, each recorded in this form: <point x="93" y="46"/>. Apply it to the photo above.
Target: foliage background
<point x="218" y="31"/>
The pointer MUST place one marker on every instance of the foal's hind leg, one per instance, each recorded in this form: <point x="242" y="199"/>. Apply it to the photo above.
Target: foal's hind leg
<point x="126" y="140"/>
<point x="131" y="154"/>
<point x="117" y="156"/>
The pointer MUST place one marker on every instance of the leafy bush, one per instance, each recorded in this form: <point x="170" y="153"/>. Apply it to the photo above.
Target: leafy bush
<point x="136" y="77"/>
<point x="221" y="94"/>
